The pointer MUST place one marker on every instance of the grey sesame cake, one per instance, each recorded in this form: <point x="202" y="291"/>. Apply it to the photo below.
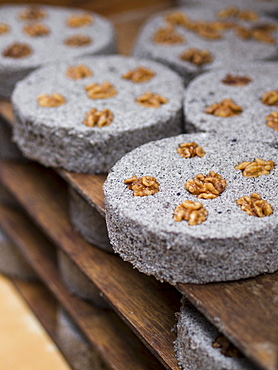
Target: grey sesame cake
<point x="88" y="221"/>
<point x="253" y="88"/>
<point x="75" y="346"/>
<point x="87" y="124"/>
<point x="12" y="263"/>
<point x="192" y="40"/>
<point x="78" y="283"/>
<point x="32" y="36"/>
<point x="220" y="241"/>
<point x="198" y="344"/>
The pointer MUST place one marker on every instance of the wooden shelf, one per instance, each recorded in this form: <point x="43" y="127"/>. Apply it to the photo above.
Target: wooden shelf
<point x="118" y="346"/>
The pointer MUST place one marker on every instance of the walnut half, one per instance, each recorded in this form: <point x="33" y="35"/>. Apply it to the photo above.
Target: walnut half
<point x="78" y="72"/>
<point x="151" y="100"/>
<point x="98" y="118"/>
<point x="101" y="91"/>
<point x="190" y="150"/>
<point x="79" y="20"/>
<point x="272" y="120"/>
<point x="4" y="28"/>
<point x="196" y="56"/>
<point x="193" y="212"/>
<point x="236" y="80"/>
<point x="256" y="168"/>
<point x="145" y="185"/>
<point x="226" y="108"/>
<point x="36" y="29"/>
<point x="227" y="348"/>
<point x="53" y="100"/>
<point x="206" y="187"/>
<point x="270" y="98"/>
<point x="17" y="50"/>
<point x="139" y="75"/>
<point x="78" y="41"/>
<point x="167" y="35"/>
<point x="255" y="205"/>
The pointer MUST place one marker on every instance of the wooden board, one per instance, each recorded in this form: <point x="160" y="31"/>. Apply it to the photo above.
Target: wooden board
<point x="145" y="304"/>
<point x="105" y="331"/>
<point x="246" y="311"/>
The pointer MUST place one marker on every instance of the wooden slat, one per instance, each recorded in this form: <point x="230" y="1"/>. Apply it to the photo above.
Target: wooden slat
<point x="6" y="111"/>
<point x="107" y="333"/>
<point x="145" y="304"/>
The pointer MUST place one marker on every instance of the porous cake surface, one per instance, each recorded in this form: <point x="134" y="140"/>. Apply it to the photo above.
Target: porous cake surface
<point x="57" y="136"/>
<point x="227" y="49"/>
<point x="49" y="41"/>
<point x="229" y="244"/>
<point x="194" y="344"/>
<point x="251" y="122"/>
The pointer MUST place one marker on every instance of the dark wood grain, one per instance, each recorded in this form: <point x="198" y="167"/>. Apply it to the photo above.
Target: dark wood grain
<point x="145" y="304"/>
<point x="106" y="332"/>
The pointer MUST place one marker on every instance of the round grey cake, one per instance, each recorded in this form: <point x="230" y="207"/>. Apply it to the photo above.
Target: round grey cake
<point x="198" y="344"/>
<point x="88" y="221"/>
<point x="75" y="346"/>
<point x="222" y="240"/>
<point x="12" y="263"/>
<point x="252" y="88"/>
<point x="33" y="35"/>
<point x="77" y="282"/>
<point x="87" y="124"/>
<point x="195" y="39"/>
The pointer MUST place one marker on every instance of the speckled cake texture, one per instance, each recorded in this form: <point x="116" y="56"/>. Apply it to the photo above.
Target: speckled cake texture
<point x="57" y="136"/>
<point x="78" y="283"/>
<point x="229" y="50"/>
<point x="229" y="245"/>
<point x="251" y="122"/>
<point x="48" y="47"/>
<point x="193" y="345"/>
<point x="12" y="263"/>
<point x="88" y="221"/>
<point x="74" y="345"/>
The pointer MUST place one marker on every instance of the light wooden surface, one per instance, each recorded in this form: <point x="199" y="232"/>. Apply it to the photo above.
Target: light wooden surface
<point x="24" y="342"/>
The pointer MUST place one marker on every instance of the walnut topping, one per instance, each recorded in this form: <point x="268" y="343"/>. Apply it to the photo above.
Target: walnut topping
<point x="193" y="212"/>
<point x="78" y="72"/>
<point x="98" y="118"/>
<point x="227" y="348"/>
<point x="33" y="12"/>
<point x="226" y="108"/>
<point x="256" y="33"/>
<point x="138" y="75"/>
<point x="80" y="20"/>
<point x="17" y="50"/>
<point x="167" y="35"/>
<point x="233" y="11"/>
<point x="236" y="80"/>
<point x="53" y="100"/>
<point x="36" y="29"/>
<point x="151" y="100"/>
<point x="256" y="168"/>
<point x="4" y="28"/>
<point x="255" y="205"/>
<point x="247" y="15"/>
<point x="209" y="30"/>
<point x="272" y="120"/>
<point x="228" y="12"/>
<point x="270" y="98"/>
<point x="207" y="187"/>
<point x="145" y="185"/>
<point x="190" y="150"/>
<point x="101" y="91"/>
<point x="78" y="40"/>
<point x="197" y="56"/>
<point x="177" y="19"/>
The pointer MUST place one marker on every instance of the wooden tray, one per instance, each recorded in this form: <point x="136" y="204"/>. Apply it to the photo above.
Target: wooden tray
<point x="115" y="342"/>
